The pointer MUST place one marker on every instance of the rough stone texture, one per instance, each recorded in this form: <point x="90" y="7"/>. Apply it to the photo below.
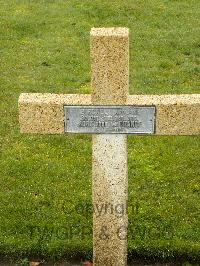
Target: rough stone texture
<point x="109" y="62"/>
<point x="110" y="189"/>
<point x="175" y="114"/>
<point x="43" y="113"/>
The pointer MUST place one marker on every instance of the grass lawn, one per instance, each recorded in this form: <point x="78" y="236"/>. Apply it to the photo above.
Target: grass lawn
<point x="45" y="181"/>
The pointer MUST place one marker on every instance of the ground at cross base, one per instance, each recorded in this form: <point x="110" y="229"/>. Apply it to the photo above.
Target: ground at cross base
<point x="138" y="262"/>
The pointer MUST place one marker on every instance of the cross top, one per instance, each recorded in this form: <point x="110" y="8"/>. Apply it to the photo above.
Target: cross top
<point x="109" y="109"/>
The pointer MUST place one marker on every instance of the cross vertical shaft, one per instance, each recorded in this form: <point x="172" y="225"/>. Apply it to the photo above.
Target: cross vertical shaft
<point x="110" y="70"/>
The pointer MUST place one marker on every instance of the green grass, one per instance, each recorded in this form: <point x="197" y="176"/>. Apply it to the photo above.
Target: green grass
<point x="45" y="181"/>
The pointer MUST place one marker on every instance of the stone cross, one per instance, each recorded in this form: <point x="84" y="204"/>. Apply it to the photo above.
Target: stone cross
<point x="59" y="113"/>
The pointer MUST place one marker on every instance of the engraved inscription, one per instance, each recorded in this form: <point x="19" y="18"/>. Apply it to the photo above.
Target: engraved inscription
<point x="109" y="119"/>
<point x="101" y="118"/>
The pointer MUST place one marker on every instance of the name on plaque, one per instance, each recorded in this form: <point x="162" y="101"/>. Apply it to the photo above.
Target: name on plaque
<point x="110" y="119"/>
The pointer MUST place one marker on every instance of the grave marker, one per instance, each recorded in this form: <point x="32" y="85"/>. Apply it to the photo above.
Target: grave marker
<point x="110" y="113"/>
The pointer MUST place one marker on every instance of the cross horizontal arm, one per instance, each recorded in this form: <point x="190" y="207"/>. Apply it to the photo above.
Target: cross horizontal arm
<point x="175" y="114"/>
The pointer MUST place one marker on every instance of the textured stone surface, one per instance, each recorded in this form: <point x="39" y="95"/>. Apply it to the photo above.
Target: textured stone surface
<point x="175" y="114"/>
<point x="110" y="185"/>
<point x="43" y="113"/>
<point x="109" y="62"/>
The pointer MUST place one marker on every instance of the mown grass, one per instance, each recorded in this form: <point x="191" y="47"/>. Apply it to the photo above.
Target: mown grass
<point x="45" y="182"/>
